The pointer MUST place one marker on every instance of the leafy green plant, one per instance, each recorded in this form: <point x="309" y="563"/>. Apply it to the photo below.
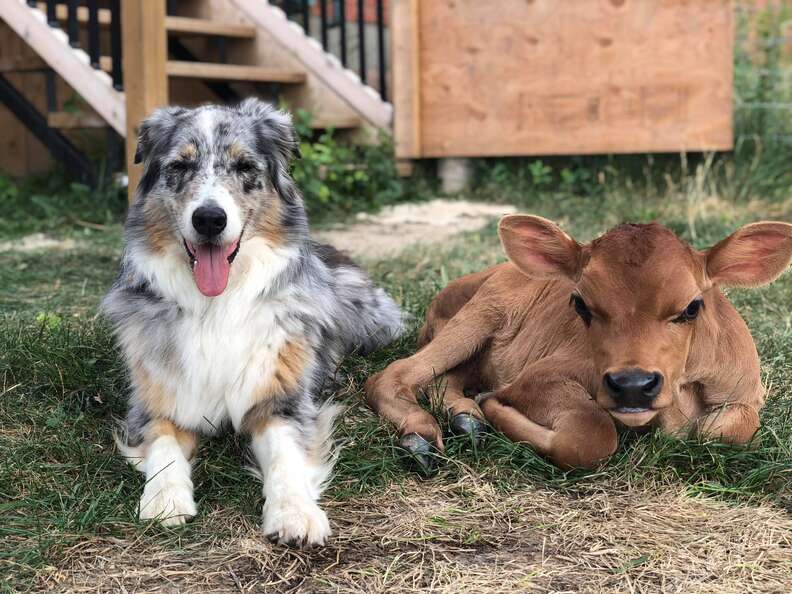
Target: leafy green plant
<point x="339" y="177"/>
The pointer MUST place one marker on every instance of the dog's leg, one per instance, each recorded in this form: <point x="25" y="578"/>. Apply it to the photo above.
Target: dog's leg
<point x="295" y="460"/>
<point x="554" y="414"/>
<point x="392" y="393"/>
<point x="164" y="458"/>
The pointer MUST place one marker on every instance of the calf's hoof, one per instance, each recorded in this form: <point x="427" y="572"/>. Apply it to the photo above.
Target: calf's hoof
<point x="420" y="452"/>
<point x="468" y="424"/>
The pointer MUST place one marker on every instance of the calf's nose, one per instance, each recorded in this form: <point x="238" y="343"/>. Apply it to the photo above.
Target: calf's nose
<point x="633" y="388"/>
<point x="209" y="221"/>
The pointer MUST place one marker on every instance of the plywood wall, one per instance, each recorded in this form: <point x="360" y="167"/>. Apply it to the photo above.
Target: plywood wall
<point x="535" y="77"/>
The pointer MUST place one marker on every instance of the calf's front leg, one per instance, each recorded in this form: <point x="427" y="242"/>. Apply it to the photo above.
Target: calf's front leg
<point x="392" y="393"/>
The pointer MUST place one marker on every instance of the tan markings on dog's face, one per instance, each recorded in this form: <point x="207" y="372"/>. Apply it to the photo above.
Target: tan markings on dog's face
<point x="267" y="223"/>
<point x="163" y="427"/>
<point x="283" y="382"/>
<point x="159" y="232"/>
<point x="637" y="287"/>
<point x="235" y="152"/>
<point x="188" y="152"/>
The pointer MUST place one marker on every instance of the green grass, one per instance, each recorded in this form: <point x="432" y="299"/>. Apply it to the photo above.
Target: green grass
<point x="62" y="389"/>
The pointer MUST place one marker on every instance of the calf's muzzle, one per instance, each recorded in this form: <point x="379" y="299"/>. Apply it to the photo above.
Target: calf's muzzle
<point x="633" y="390"/>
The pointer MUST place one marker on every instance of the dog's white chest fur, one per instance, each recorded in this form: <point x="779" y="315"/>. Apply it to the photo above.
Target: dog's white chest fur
<point x="223" y="357"/>
<point x="223" y="348"/>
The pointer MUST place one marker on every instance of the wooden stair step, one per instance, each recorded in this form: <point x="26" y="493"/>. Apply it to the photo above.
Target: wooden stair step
<point x="173" y="24"/>
<point x="237" y="72"/>
<point x="335" y="121"/>
<point x="64" y="120"/>
<point x="190" y="26"/>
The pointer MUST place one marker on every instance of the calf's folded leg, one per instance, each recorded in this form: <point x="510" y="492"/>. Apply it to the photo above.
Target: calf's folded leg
<point x="556" y="416"/>
<point x="731" y="422"/>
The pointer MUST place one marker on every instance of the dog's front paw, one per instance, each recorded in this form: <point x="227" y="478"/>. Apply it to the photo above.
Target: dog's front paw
<point x="295" y="521"/>
<point x="170" y="504"/>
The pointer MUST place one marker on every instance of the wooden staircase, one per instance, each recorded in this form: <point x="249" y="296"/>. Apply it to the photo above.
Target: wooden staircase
<point x="204" y="51"/>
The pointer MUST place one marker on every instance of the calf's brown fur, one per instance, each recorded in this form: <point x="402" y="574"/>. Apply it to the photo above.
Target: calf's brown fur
<point x="566" y="338"/>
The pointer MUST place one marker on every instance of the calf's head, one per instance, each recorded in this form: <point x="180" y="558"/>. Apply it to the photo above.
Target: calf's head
<point x="641" y="293"/>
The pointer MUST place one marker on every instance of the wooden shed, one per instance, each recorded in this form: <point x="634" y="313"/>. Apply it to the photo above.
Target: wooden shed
<point x="543" y="77"/>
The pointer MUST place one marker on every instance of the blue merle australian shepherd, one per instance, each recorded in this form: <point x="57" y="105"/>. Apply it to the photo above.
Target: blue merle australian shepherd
<point x="226" y="310"/>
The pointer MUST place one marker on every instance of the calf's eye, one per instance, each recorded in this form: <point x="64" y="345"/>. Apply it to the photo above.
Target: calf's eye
<point x="691" y="312"/>
<point x="581" y="308"/>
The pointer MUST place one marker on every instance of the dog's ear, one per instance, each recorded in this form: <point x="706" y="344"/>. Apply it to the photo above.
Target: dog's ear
<point x="154" y="129"/>
<point x="277" y="142"/>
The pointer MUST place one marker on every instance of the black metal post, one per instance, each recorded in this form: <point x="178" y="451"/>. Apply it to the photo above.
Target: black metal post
<point x="342" y="17"/>
<point x="52" y="15"/>
<point x="361" y="40"/>
<point x="94" y="49"/>
<point x="222" y="49"/>
<point x="60" y="147"/>
<point x="72" y="27"/>
<point x="51" y="90"/>
<point x="383" y="83"/>
<point x="115" y="44"/>
<point x="323" y="19"/>
<point x="306" y="16"/>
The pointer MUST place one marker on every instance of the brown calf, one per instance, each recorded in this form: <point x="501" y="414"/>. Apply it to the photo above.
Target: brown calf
<point x="566" y="337"/>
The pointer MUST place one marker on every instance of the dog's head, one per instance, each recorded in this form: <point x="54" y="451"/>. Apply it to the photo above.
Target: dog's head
<point x="212" y="177"/>
<point x="641" y="293"/>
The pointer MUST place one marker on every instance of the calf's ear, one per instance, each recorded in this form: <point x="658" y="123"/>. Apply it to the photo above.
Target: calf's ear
<point x="539" y="248"/>
<point x="752" y="256"/>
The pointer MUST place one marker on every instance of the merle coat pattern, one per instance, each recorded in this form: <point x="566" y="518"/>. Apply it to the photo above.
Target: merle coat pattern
<point x="244" y="323"/>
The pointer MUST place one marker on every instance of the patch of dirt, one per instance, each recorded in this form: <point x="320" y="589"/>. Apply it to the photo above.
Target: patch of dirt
<point x="395" y="228"/>
<point x="37" y="241"/>
<point x="463" y="537"/>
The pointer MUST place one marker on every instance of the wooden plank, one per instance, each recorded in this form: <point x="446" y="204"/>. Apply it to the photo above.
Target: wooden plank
<point x="64" y="120"/>
<point x="71" y="64"/>
<point x="336" y="122"/>
<point x="145" y="51"/>
<point x="549" y="77"/>
<point x="15" y="54"/>
<point x="190" y="26"/>
<point x="405" y="54"/>
<point x="214" y="71"/>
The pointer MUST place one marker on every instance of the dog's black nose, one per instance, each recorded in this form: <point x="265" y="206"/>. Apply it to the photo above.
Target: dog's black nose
<point x="209" y="221"/>
<point x="633" y="388"/>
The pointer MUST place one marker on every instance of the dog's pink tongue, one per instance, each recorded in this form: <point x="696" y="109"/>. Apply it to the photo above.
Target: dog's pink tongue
<point x="211" y="269"/>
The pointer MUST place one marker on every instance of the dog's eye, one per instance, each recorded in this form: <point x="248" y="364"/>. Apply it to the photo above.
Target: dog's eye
<point x="244" y="166"/>
<point x="691" y="312"/>
<point x="581" y="308"/>
<point x="182" y="165"/>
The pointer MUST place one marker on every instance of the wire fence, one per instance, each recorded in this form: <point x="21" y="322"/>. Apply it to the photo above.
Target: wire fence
<point x="763" y="72"/>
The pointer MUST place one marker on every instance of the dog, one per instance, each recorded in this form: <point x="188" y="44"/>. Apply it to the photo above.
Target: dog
<point x="565" y="339"/>
<point x="227" y="312"/>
